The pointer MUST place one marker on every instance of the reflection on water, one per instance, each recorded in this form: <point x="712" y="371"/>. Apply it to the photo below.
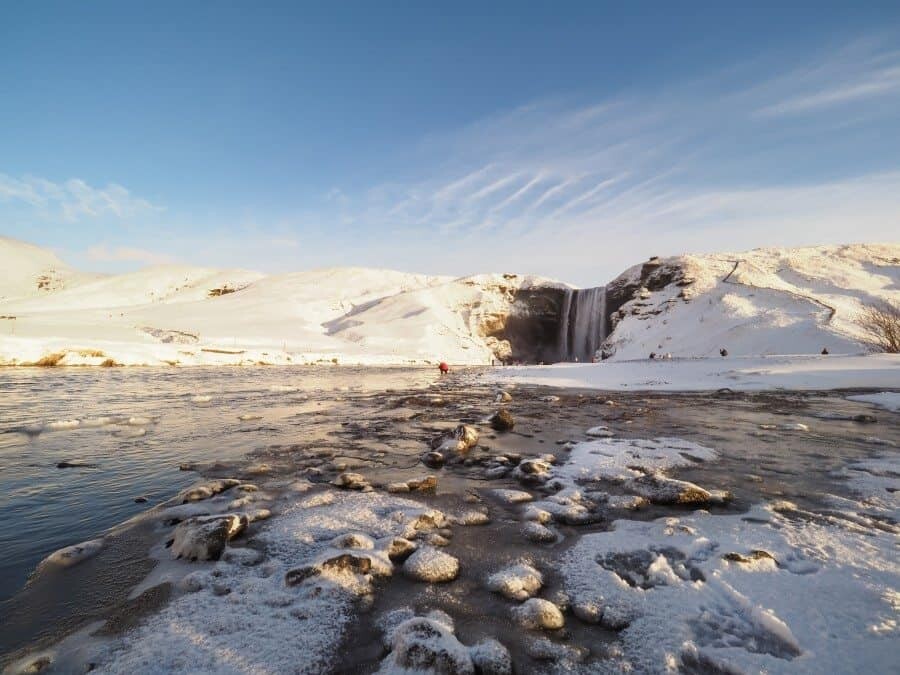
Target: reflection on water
<point x="135" y="426"/>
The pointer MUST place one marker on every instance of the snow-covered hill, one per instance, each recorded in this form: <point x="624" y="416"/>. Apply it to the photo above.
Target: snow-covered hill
<point x="760" y="302"/>
<point x="768" y="301"/>
<point x="187" y="315"/>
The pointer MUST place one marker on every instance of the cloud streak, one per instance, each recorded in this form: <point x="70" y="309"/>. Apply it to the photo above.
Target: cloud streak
<point x="73" y="200"/>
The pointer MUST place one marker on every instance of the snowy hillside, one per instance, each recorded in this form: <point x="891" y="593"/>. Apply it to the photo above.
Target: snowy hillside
<point x="188" y="316"/>
<point x="765" y="301"/>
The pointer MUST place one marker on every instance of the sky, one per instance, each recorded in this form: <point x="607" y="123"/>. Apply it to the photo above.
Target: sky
<point x="566" y="139"/>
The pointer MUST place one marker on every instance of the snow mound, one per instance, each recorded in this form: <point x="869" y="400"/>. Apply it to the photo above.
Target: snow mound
<point x="517" y="582"/>
<point x="429" y="564"/>
<point x="721" y="592"/>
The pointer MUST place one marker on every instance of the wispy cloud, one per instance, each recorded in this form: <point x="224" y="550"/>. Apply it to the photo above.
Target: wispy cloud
<point x="72" y="200"/>
<point x="577" y="189"/>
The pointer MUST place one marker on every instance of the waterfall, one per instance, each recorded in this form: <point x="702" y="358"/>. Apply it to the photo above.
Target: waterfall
<point x="582" y="324"/>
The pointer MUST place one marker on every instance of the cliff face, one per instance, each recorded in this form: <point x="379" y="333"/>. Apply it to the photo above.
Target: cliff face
<point x="528" y="330"/>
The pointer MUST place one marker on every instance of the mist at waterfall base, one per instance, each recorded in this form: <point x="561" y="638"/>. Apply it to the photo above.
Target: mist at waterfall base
<point x="583" y="324"/>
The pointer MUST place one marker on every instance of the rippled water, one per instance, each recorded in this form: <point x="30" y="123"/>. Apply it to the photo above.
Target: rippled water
<point x="159" y="419"/>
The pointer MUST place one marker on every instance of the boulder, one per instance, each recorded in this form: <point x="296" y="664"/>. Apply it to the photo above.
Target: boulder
<point x="429" y="564"/>
<point x="502" y="420"/>
<point x="204" y="538"/>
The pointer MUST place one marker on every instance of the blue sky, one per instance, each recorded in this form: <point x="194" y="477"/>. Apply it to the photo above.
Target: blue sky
<point x="564" y="139"/>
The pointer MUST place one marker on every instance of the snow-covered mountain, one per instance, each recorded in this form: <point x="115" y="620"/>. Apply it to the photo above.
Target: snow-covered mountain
<point x="761" y="302"/>
<point x="765" y="301"/>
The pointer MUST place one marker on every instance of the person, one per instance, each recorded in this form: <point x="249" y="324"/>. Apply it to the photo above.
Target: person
<point x="723" y="352"/>
<point x="444" y="368"/>
<point x="824" y="351"/>
<point x="652" y="355"/>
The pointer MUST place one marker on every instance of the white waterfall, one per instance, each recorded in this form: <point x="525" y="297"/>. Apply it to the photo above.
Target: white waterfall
<point x="583" y="323"/>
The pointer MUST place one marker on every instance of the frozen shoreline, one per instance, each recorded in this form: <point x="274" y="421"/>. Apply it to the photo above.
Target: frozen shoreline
<point x="797" y="373"/>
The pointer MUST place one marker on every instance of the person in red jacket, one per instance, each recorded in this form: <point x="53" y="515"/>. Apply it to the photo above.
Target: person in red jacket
<point x="444" y="368"/>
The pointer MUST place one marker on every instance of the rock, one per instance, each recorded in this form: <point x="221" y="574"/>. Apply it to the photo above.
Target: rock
<point x="397" y="488"/>
<point x="427" y="484"/>
<point x="537" y="515"/>
<point x="75" y="465"/>
<point x="532" y="471"/>
<point x="204" y="538"/>
<point x="491" y="658"/>
<point x="350" y="481"/>
<point x="429" y="564"/>
<point x="208" y="489"/>
<point x="502" y="396"/>
<point x="626" y="502"/>
<point x="588" y="611"/>
<point x="550" y="399"/>
<point x="502" y="420"/>
<point x="599" y="432"/>
<point x="400" y="549"/>
<point x="427" y="646"/>
<point x="353" y="540"/>
<point x="660" y="489"/>
<point x="473" y="518"/>
<point x="140" y="500"/>
<point x="462" y="439"/>
<point x="537" y="613"/>
<point x="341" y="563"/>
<point x="543" y="649"/>
<point x="513" y="496"/>
<point x="433" y="459"/>
<point x="438" y="540"/>
<point x="517" y="582"/>
<point x="538" y="533"/>
<point x="865" y="419"/>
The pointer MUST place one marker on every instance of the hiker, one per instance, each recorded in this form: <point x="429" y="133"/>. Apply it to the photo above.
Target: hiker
<point x="824" y="351"/>
<point x="444" y="368"/>
<point x="723" y="352"/>
<point x="652" y="355"/>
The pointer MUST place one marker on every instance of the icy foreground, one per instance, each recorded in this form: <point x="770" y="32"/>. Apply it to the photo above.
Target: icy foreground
<point x="768" y="301"/>
<point x="605" y="533"/>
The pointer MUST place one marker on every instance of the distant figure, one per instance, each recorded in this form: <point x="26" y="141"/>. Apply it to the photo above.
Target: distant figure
<point x="824" y="351"/>
<point x="444" y="368"/>
<point x="723" y="352"/>
<point x="652" y="355"/>
<point x="668" y="356"/>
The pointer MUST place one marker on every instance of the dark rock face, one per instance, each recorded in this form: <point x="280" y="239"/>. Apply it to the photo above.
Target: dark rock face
<point x="532" y="326"/>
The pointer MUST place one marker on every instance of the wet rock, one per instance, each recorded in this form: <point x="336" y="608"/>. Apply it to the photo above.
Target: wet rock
<point x="516" y="582"/>
<point x="436" y="539"/>
<point x="473" y="518"/>
<point x="753" y="557"/>
<point x="491" y="658"/>
<point x="865" y="419"/>
<point x="350" y="481"/>
<point x="496" y="472"/>
<point x="550" y="399"/>
<point x="427" y="646"/>
<point x="502" y="396"/>
<point x="537" y="613"/>
<point x="599" y="432"/>
<point x="427" y="484"/>
<point x="502" y="420"/>
<point x="341" y="563"/>
<point x="433" y="459"/>
<point x="429" y="564"/>
<point x="543" y="649"/>
<point x="353" y="540"/>
<point x="396" y="488"/>
<point x="462" y="439"/>
<point x="532" y="471"/>
<point x="537" y="533"/>
<point x="660" y="489"/>
<point x="536" y="514"/>
<point x="140" y="500"/>
<point x="513" y="496"/>
<point x="208" y="489"/>
<point x="204" y="538"/>
<point x="626" y="502"/>
<point x="399" y="549"/>
<point x="75" y="465"/>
